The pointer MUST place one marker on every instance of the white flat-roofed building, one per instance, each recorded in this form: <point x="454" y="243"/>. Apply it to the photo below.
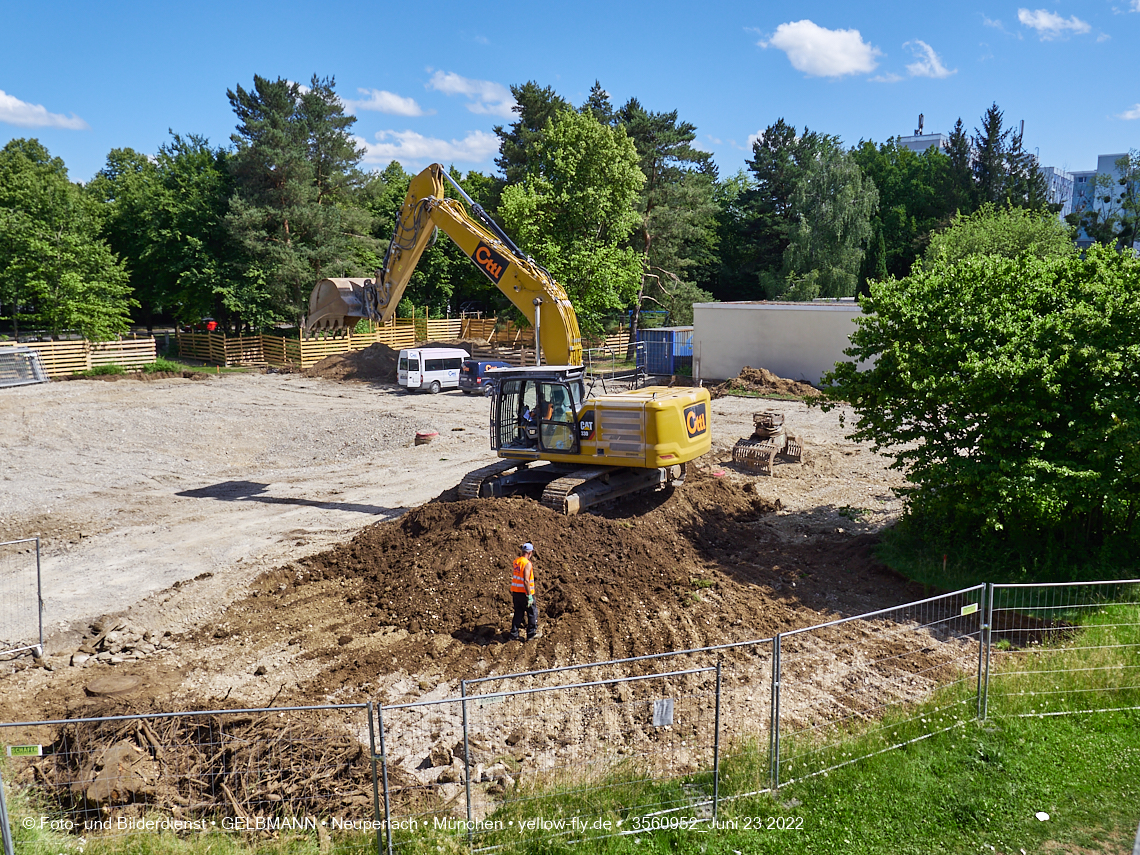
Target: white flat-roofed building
<point x="919" y="143"/>
<point x="799" y="341"/>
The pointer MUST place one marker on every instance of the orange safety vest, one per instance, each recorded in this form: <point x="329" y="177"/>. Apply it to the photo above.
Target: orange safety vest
<point x="522" y="576"/>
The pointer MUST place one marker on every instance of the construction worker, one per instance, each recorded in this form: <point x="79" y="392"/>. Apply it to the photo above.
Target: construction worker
<point x="522" y="594"/>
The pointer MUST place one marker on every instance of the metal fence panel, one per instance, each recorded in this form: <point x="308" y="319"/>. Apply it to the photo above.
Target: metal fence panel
<point x="20" y="366"/>
<point x="21" y="597"/>
<point x="551" y="761"/>
<point x="745" y="719"/>
<point x="291" y="773"/>
<point x="1081" y="637"/>
<point x="861" y="675"/>
<point x="423" y="781"/>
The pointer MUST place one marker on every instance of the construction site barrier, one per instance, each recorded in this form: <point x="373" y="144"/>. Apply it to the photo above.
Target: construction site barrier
<point x="21" y="597"/>
<point x="548" y="753"/>
<point x="62" y="358"/>
<point x="270" y="350"/>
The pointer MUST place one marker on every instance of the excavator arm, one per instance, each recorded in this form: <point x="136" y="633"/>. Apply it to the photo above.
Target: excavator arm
<point x="529" y="286"/>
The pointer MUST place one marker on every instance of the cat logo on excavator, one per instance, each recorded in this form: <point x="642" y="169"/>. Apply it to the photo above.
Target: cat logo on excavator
<point x="696" y="420"/>
<point x="489" y="261"/>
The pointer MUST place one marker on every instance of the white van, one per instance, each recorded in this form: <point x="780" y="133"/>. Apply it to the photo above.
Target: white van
<point x="431" y="368"/>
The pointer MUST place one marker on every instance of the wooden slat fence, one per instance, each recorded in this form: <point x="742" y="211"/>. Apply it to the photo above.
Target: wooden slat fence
<point x="399" y="333"/>
<point x="61" y="358"/>
<point x="255" y="350"/>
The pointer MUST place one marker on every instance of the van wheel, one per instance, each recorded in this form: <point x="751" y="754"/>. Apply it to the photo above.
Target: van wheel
<point x="434" y="387"/>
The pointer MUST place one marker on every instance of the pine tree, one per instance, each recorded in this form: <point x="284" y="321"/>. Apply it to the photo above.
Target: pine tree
<point x="991" y="144"/>
<point x="535" y="106"/>
<point x="294" y="158"/>
<point x="963" y="193"/>
<point x="599" y="105"/>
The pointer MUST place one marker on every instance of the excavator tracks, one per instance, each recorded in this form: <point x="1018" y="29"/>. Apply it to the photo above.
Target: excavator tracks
<point x="558" y="492"/>
<point x="472" y="484"/>
<point x="592" y="485"/>
<point x="565" y="489"/>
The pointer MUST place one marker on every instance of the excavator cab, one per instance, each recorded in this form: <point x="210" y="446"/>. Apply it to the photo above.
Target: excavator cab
<point x="535" y="411"/>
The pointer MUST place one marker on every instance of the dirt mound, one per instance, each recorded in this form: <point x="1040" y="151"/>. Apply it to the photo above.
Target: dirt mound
<point x="764" y="382"/>
<point x="376" y="363"/>
<point x="427" y="594"/>
<point x="442" y="567"/>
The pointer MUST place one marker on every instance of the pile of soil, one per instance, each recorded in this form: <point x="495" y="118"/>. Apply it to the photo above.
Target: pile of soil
<point x="441" y="568"/>
<point x="764" y="382"/>
<point x="376" y="363"/>
<point x="428" y="594"/>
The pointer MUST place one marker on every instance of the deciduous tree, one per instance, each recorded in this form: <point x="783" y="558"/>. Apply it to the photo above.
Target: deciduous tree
<point x="53" y="261"/>
<point x="833" y="205"/>
<point x="1004" y="387"/>
<point x="575" y="210"/>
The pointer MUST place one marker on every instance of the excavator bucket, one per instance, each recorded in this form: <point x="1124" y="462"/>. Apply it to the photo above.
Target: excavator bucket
<point x="768" y="441"/>
<point x="335" y="304"/>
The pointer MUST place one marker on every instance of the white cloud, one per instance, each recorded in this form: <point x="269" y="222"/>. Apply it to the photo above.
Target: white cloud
<point x="929" y="64"/>
<point x="1050" y="25"/>
<point x="385" y="102"/>
<point x="411" y="147"/>
<point x="819" y="52"/>
<point x="1133" y="113"/>
<point x="1136" y="5"/>
<point x="483" y="96"/>
<point x="13" y="111"/>
<point x="890" y="77"/>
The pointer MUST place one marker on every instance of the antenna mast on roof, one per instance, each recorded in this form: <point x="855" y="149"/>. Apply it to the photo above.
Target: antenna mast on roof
<point x="918" y="132"/>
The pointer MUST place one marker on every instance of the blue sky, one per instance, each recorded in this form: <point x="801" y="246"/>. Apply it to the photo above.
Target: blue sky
<point x="429" y="81"/>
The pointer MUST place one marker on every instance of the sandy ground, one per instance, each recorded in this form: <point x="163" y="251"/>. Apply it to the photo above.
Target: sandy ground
<point x="135" y="486"/>
<point x="259" y="540"/>
<point x="174" y="505"/>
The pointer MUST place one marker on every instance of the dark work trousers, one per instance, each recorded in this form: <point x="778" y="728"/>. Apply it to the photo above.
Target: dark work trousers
<point x="524" y="614"/>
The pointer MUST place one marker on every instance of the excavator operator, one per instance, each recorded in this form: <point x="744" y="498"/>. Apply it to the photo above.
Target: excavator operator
<point x="556" y="428"/>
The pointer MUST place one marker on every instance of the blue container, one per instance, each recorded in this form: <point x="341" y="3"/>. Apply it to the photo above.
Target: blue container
<point x="667" y="348"/>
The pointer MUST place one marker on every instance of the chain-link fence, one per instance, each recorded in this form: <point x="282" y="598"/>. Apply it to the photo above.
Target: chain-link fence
<point x="865" y="675"/>
<point x="1062" y="648"/>
<point x="21" y="597"/>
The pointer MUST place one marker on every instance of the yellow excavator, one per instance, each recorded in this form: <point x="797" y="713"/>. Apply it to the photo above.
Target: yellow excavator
<point x="554" y="436"/>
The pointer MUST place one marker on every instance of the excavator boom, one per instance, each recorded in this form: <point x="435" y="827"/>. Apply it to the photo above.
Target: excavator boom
<point x="337" y="303"/>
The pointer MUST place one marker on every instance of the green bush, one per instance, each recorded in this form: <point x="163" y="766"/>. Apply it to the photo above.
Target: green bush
<point x="101" y="371"/>
<point x="163" y="365"/>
